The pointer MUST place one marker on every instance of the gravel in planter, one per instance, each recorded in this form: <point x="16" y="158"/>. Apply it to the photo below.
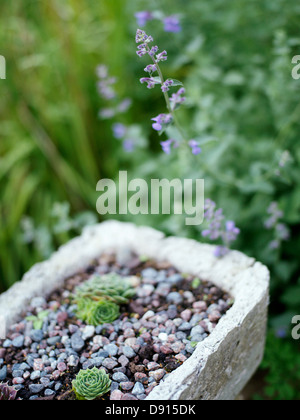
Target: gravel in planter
<point x="156" y="332"/>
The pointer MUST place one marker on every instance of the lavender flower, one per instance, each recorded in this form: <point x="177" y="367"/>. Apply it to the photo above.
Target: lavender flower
<point x="163" y="56"/>
<point x="102" y="71"/>
<point x="124" y="105"/>
<point x="142" y="37"/>
<point x="216" y="229"/>
<point x="166" y="85"/>
<point x="167" y="145"/>
<point x="196" y="149"/>
<point x="143" y="17"/>
<point x="107" y="113"/>
<point x="105" y="89"/>
<point x="160" y="121"/>
<point x="172" y="24"/>
<point x="153" y="51"/>
<point x="151" y="82"/>
<point x="275" y="215"/>
<point x="128" y="145"/>
<point x="151" y="68"/>
<point x="281" y="231"/>
<point x="119" y="130"/>
<point x="177" y="98"/>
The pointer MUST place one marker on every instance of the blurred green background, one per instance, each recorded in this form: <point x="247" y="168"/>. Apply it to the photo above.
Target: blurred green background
<point x="234" y="59"/>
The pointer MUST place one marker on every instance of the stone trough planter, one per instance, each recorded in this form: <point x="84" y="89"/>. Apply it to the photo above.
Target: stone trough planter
<point x="224" y="362"/>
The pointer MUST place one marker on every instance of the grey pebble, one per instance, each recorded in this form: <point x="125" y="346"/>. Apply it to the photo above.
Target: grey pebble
<point x="3" y="373"/>
<point x="35" y="375"/>
<point x="197" y="330"/>
<point x="128" y="352"/>
<point x="174" y="297"/>
<point x="138" y="389"/>
<point x="111" y="349"/>
<point x="53" y="340"/>
<point x="109" y="363"/>
<point x="49" y="392"/>
<point x="7" y="343"/>
<point x="149" y="272"/>
<point x="36" y="335"/>
<point x="36" y="388"/>
<point x="120" y="377"/>
<point x="77" y="343"/>
<point x="185" y="326"/>
<point x="18" y="342"/>
<point x="174" y="279"/>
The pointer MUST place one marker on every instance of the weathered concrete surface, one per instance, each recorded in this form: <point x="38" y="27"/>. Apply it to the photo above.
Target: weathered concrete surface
<point x="224" y="362"/>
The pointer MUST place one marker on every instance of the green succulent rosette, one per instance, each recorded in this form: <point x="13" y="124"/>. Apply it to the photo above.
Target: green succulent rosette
<point x="110" y="286"/>
<point x="102" y="312"/>
<point x="91" y="384"/>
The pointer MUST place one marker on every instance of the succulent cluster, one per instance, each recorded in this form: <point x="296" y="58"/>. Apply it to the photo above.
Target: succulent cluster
<point x="7" y="393"/>
<point x="98" y="299"/>
<point x="91" y="384"/>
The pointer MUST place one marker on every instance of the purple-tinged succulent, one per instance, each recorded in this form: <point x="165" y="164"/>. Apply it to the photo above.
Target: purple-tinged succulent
<point x="7" y="393"/>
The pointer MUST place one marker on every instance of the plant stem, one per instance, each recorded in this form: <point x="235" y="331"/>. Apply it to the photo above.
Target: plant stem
<point x="167" y="99"/>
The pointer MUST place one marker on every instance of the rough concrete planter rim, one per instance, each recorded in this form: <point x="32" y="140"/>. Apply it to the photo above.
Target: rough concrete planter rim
<point x="224" y="362"/>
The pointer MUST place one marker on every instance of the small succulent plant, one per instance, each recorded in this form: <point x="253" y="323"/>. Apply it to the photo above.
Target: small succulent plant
<point x="111" y="287"/>
<point x="98" y="299"/>
<point x="7" y="393"/>
<point x="38" y="320"/>
<point x="91" y="384"/>
<point x="97" y="313"/>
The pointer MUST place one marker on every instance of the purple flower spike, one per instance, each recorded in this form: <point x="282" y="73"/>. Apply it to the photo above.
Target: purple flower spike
<point x="143" y="17"/>
<point x="172" y="24"/>
<point x="196" y="149"/>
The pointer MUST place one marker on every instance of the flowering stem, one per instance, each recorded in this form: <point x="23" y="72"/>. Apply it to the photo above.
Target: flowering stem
<point x="167" y="99"/>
